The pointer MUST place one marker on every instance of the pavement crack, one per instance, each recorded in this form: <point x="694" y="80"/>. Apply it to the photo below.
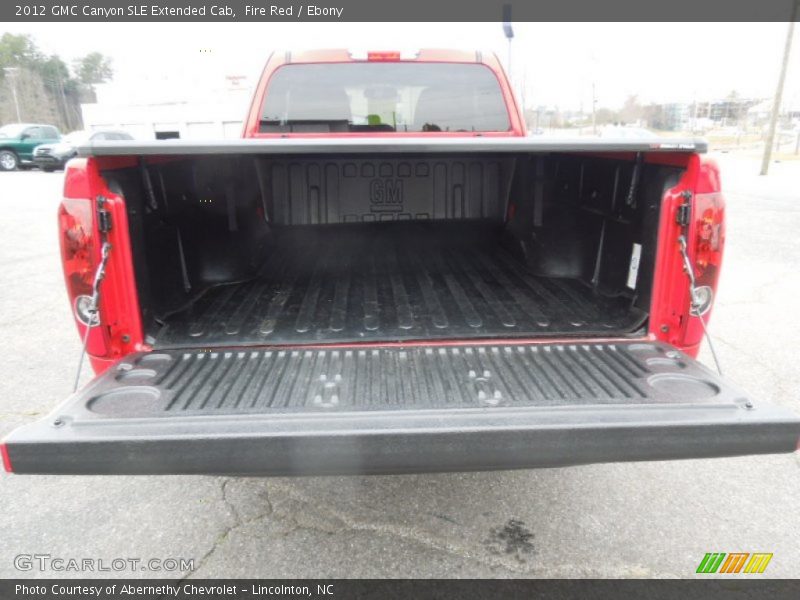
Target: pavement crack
<point x="238" y="521"/>
<point x="410" y="534"/>
<point x="231" y="506"/>
<point x="756" y="360"/>
<point x="25" y="415"/>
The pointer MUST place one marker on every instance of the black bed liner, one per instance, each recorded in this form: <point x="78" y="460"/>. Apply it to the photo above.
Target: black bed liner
<point x="398" y="409"/>
<point x="400" y="378"/>
<point x="401" y="281"/>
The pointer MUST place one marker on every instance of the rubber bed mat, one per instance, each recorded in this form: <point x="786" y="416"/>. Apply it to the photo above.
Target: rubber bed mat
<point x="399" y="378"/>
<point x="388" y="282"/>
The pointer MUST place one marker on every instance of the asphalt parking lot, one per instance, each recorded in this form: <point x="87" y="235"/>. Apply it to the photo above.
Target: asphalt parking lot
<point x="616" y="520"/>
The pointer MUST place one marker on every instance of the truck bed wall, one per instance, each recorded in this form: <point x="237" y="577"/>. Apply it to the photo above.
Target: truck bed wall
<point x="201" y="221"/>
<point x="362" y="190"/>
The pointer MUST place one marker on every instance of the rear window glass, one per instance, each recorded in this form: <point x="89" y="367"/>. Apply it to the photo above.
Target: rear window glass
<point x="405" y="97"/>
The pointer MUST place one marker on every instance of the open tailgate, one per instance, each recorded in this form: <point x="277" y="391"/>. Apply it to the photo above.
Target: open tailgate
<point x="398" y="409"/>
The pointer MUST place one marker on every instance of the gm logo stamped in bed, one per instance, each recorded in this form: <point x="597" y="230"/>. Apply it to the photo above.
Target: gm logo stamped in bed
<point x="386" y="195"/>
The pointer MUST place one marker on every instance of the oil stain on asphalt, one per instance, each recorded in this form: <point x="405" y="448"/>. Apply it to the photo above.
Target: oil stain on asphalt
<point x="513" y="539"/>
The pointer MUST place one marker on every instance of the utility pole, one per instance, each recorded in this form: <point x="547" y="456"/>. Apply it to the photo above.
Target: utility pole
<point x="508" y="31"/>
<point x="509" y="58"/>
<point x="594" y="111"/>
<point x="776" y="105"/>
<point x="11" y="73"/>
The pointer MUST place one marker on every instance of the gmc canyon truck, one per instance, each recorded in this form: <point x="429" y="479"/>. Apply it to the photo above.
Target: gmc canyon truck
<point x="386" y="275"/>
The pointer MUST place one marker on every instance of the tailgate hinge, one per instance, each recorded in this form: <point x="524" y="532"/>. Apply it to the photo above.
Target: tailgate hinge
<point x="103" y="216"/>
<point x="684" y="213"/>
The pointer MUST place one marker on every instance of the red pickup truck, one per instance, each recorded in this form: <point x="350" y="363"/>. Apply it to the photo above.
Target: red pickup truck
<point x="386" y="275"/>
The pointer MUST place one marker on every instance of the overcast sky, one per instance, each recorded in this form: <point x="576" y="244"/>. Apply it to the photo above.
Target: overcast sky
<point x="557" y="62"/>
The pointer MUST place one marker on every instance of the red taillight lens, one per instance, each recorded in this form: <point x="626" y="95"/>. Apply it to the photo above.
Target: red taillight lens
<point x="78" y="248"/>
<point x="80" y="258"/>
<point x="709" y="237"/>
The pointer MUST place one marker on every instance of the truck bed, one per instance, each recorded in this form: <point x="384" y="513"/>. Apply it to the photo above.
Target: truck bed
<point x="399" y="281"/>
<point x="237" y="250"/>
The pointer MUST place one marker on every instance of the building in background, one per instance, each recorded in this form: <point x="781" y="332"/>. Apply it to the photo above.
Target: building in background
<point x="676" y="116"/>
<point x="171" y="107"/>
<point x="699" y="116"/>
<point x="758" y="115"/>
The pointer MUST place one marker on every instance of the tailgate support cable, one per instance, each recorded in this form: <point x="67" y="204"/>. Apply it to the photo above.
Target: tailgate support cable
<point x="93" y="311"/>
<point x="695" y="302"/>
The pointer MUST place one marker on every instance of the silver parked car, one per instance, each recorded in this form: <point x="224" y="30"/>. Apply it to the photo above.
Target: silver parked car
<point x="49" y="157"/>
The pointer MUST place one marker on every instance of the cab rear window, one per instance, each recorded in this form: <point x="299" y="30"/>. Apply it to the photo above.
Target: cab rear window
<point x="388" y="96"/>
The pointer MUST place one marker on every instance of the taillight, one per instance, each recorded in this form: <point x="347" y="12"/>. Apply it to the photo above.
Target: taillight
<point x="5" y="458"/>
<point x="708" y="238"/>
<point x="80" y="256"/>
<point x="78" y="245"/>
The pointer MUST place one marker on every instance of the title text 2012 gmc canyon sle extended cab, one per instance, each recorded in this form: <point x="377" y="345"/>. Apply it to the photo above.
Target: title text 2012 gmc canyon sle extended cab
<point x="387" y="275"/>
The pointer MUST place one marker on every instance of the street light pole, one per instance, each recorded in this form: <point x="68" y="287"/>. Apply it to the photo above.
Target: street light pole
<point x="509" y="58"/>
<point x="12" y="71"/>
<point x="776" y="104"/>
<point x="508" y="31"/>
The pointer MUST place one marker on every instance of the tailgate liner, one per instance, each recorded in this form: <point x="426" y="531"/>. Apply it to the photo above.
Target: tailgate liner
<point x="170" y="383"/>
<point x="412" y="281"/>
<point x="398" y="409"/>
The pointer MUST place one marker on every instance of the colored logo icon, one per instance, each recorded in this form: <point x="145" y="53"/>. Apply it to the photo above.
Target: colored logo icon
<point x="736" y="562"/>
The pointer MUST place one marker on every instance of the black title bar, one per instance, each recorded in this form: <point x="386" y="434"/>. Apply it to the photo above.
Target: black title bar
<point x="397" y="10"/>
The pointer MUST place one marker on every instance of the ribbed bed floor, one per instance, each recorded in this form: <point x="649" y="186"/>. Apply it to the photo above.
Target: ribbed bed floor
<point x="384" y="282"/>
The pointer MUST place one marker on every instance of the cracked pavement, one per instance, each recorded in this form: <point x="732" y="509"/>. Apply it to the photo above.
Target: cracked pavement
<point x="614" y="520"/>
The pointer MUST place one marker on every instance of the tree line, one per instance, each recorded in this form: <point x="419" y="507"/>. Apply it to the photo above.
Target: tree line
<point x="47" y="90"/>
